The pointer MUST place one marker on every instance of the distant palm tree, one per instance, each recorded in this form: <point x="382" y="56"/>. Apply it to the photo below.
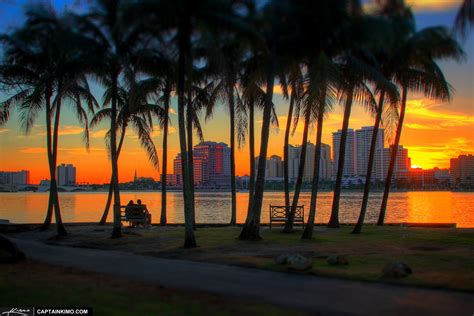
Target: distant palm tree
<point x="418" y="72"/>
<point x="44" y="63"/>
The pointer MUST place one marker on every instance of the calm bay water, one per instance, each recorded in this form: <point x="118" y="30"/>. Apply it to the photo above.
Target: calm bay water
<point x="433" y="207"/>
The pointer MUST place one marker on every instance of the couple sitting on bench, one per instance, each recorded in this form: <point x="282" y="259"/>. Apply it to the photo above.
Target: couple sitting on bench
<point x="137" y="214"/>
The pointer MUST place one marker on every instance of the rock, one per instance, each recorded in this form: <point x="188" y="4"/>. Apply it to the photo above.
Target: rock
<point x="299" y="263"/>
<point x="396" y="269"/>
<point x="282" y="259"/>
<point x="336" y="260"/>
<point x="9" y="252"/>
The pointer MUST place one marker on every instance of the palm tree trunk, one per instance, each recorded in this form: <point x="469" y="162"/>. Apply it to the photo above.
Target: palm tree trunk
<point x="252" y="155"/>
<point x="299" y="181"/>
<point x="285" y="148"/>
<point x="49" y="150"/>
<point x="165" y="156"/>
<point x="184" y="34"/>
<point x="393" y="158"/>
<point x="57" y="211"/>
<point x="117" y="228"/>
<point x="233" y="218"/>
<point x="189" y="122"/>
<point x="103" y="219"/>
<point x="309" y="227"/>
<point x="251" y="229"/>
<point x="365" y="199"/>
<point x="334" y="220"/>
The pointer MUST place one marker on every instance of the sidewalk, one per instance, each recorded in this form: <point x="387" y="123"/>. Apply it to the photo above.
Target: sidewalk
<point x="324" y="295"/>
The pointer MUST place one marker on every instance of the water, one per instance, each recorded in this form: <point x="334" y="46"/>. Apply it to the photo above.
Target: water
<point x="211" y="207"/>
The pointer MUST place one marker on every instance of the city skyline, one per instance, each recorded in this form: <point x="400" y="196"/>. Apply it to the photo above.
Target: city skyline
<point x="434" y="132"/>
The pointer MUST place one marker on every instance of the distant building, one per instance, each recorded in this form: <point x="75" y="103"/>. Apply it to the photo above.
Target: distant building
<point x="462" y="170"/>
<point x="363" y="139"/>
<point x="273" y="167"/>
<point x="66" y="175"/>
<point x="421" y="178"/>
<point x="325" y="164"/>
<point x="218" y="159"/>
<point x="211" y="163"/>
<point x="15" y="177"/>
<point x="382" y="163"/>
<point x="349" y="156"/>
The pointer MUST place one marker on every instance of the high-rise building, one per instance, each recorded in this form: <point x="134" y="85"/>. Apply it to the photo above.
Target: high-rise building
<point x="363" y="139"/>
<point x="15" y="177"/>
<point x="273" y="167"/>
<point x="382" y="163"/>
<point x="462" y="170"/>
<point x="218" y="156"/>
<point x="200" y="168"/>
<point x="211" y="162"/>
<point x="66" y="175"/>
<point x="349" y="156"/>
<point x="325" y="166"/>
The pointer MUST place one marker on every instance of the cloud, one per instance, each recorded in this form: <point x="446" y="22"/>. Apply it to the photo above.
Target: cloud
<point x="439" y="154"/>
<point x="33" y="150"/>
<point x="66" y="130"/>
<point x="172" y="111"/>
<point x="422" y="5"/>
<point x="99" y="134"/>
<point x="433" y="5"/>
<point x="427" y="110"/>
<point x="424" y="127"/>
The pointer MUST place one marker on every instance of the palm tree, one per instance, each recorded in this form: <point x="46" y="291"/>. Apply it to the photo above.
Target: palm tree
<point x="419" y="73"/>
<point x="294" y="82"/>
<point x="358" y="69"/>
<point x="323" y="77"/>
<point x="166" y="99"/>
<point x="299" y="180"/>
<point x="134" y="110"/>
<point x="465" y="17"/>
<point x="274" y="27"/>
<point x="118" y="39"/>
<point x="43" y="61"/>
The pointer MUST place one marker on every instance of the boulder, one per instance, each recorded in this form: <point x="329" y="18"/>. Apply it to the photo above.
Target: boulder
<point x="282" y="259"/>
<point x="9" y="252"/>
<point x="396" y="269"/>
<point x="299" y="263"/>
<point x="336" y="260"/>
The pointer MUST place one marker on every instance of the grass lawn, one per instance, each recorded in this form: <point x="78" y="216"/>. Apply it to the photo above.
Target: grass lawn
<point x="33" y="284"/>
<point x="439" y="257"/>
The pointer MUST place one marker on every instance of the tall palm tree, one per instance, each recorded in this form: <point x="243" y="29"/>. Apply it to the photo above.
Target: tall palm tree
<point x="302" y="163"/>
<point x="276" y="39"/>
<point x="418" y="72"/>
<point x="358" y="68"/>
<point x="135" y="110"/>
<point x="118" y="38"/>
<point x="42" y="60"/>
<point x="321" y="94"/>
<point x="294" y="84"/>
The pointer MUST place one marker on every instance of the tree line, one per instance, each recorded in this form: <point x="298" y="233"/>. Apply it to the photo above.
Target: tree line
<point x="230" y="53"/>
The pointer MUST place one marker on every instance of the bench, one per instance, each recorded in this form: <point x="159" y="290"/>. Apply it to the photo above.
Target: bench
<point x="135" y="214"/>
<point x="279" y="214"/>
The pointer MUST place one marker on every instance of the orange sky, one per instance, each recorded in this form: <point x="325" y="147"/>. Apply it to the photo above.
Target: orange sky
<point x="433" y="133"/>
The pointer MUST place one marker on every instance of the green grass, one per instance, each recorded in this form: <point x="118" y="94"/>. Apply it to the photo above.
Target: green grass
<point x="439" y="257"/>
<point x="34" y="284"/>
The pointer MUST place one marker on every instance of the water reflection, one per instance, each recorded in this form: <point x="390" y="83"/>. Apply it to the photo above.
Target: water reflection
<point x="214" y="207"/>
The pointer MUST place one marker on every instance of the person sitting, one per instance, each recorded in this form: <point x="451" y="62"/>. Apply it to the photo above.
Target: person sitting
<point x="145" y="210"/>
